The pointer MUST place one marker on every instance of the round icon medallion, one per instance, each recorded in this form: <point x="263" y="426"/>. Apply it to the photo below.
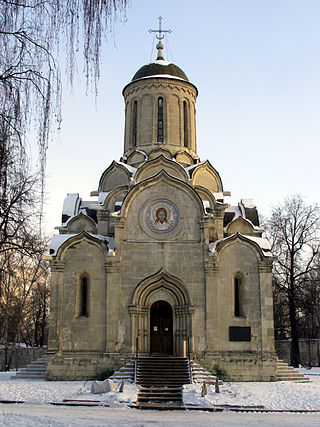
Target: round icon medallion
<point x="162" y="216"/>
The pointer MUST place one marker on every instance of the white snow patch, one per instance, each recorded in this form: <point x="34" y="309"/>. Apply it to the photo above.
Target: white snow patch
<point x="59" y="239"/>
<point x="162" y="62"/>
<point x="43" y="392"/>
<point x="102" y="197"/>
<point x="248" y="203"/>
<point x="235" y="210"/>
<point x="167" y="76"/>
<point x="71" y="204"/>
<point x="263" y="243"/>
<point x="285" y="395"/>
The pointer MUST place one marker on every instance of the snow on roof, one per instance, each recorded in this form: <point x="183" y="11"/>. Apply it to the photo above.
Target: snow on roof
<point x="81" y="211"/>
<point x="206" y="206"/>
<point x="167" y="76"/>
<point x="218" y="195"/>
<point x="71" y="205"/>
<point x="85" y="203"/>
<point x="248" y="203"/>
<point x="162" y="62"/>
<point x="191" y="167"/>
<point x="131" y="169"/>
<point x="261" y="242"/>
<point x="58" y="240"/>
<point x="235" y="210"/>
<point x="102" y="197"/>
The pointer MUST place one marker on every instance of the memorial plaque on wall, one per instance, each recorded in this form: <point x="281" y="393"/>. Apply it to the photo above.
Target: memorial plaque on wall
<point x="239" y="333"/>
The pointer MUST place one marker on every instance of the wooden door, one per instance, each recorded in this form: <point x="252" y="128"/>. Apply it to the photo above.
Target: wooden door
<point x="161" y="333"/>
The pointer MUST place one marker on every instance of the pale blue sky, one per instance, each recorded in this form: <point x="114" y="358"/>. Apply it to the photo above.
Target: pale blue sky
<point x="256" y="64"/>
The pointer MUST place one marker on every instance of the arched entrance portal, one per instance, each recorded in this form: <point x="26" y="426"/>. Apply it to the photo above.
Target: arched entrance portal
<point x="161" y="302"/>
<point x="161" y="328"/>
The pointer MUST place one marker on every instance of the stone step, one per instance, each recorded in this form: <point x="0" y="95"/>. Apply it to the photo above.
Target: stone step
<point x="161" y="373"/>
<point x="159" y="399"/>
<point x="161" y="379"/>
<point x="35" y="370"/>
<point x="158" y="394"/>
<point x="159" y="389"/>
<point x="200" y="374"/>
<point x="286" y="372"/>
<point x="126" y="372"/>
<point x="29" y="376"/>
<point x="31" y="371"/>
<point x="165" y="393"/>
<point x="124" y="369"/>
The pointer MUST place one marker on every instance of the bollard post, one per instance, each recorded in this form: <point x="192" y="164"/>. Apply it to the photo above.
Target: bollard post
<point x="216" y="385"/>
<point x="204" y="389"/>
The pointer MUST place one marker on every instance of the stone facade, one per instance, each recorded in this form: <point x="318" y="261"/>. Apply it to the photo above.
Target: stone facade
<point x="160" y="263"/>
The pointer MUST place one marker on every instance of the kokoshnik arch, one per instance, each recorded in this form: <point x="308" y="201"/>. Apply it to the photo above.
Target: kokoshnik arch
<point x="160" y="262"/>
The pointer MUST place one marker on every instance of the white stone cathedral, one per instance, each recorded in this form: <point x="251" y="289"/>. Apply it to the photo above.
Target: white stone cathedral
<point x="159" y="263"/>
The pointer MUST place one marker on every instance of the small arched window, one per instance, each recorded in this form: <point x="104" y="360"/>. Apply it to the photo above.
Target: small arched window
<point x="134" y="123"/>
<point x="238" y="295"/>
<point x="160" y="120"/>
<point x="84" y="296"/>
<point x="185" y="124"/>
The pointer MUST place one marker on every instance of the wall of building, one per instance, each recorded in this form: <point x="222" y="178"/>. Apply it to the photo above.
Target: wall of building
<point x="309" y="351"/>
<point x="22" y="356"/>
<point x="146" y="93"/>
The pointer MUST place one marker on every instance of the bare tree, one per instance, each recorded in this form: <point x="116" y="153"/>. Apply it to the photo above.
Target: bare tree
<point x="33" y="34"/>
<point x="294" y="234"/>
<point x="23" y="297"/>
<point x="309" y="324"/>
<point x="19" y="201"/>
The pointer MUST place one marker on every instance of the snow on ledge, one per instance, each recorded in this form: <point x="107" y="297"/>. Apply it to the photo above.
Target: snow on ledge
<point x="58" y="240"/>
<point x="166" y="76"/>
<point x="260" y="241"/>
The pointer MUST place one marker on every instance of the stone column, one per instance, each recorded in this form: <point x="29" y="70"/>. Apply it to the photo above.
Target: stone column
<point x="112" y="302"/>
<point x="103" y="222"/>
<point x="134" y="327"/>
<point x="56" y="304"/>
<point x="212" y="304"/>
<point x="139" y="329"/>
<point x="266" y="303"/>
<point x="190" y="327"/>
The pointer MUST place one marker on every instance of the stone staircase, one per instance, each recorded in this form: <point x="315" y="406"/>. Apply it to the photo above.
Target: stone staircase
<point x="200" y="374"/>
<point x="160" y="381"/>
<point x="288" y="373"/>
<point x="126" y="372"/>
<point x="35" y="370"/>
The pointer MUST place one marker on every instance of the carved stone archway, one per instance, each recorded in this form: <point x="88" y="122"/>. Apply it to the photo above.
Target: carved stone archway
<point x="161" y="287"/>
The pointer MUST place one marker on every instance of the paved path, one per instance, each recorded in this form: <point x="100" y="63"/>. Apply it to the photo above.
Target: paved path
<point x="34" y="416"/>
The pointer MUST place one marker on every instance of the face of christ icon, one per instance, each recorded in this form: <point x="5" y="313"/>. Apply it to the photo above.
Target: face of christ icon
<point x="161" y="215"/>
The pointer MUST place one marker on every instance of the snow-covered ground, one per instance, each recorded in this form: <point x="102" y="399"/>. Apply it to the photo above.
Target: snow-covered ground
<point x="284" y="395"/>
<point x="275" y="395"/>
<point x="38" y="394"/>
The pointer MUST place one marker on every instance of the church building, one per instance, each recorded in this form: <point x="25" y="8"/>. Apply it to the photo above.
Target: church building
<point x="159" y="263"/>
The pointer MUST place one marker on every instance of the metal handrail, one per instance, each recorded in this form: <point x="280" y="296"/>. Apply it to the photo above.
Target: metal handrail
<point x="136" y="361"/>
<point x="135" y="371"/>
<point x="190" y="370"/>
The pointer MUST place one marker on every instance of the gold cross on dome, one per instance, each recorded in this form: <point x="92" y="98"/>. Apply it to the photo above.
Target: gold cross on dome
<point x="160" y="31"/>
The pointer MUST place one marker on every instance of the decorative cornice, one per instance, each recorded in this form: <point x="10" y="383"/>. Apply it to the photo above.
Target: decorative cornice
<point x="57" y="266"/>
<point x="137" y="310"/>
<point x="211" y="265"/>
<point x="265" y="266"/>
<point x="179" y="85"/>
<point x="112" y="265"/>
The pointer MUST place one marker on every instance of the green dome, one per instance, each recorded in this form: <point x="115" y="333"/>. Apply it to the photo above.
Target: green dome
<point x="160" y="67"/>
